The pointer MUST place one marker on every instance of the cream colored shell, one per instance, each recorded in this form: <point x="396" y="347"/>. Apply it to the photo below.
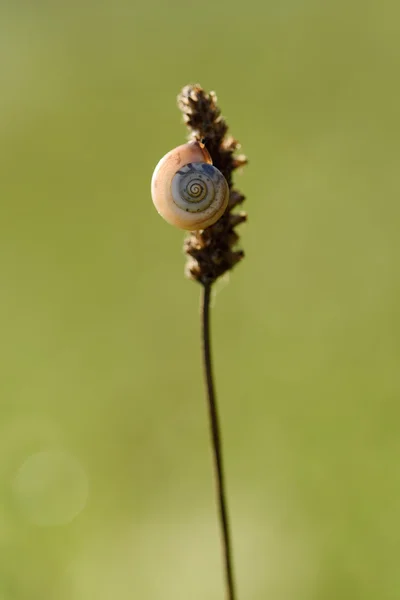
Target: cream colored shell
<point x="187" y="190"/>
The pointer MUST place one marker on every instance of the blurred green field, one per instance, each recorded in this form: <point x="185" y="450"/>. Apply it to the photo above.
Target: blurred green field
<point x="106" y="487"/>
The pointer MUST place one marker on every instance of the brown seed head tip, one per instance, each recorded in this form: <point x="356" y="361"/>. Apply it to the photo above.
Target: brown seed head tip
<point x="237" y="218"/>
<point x="235" y="199"/>
<point x="210" y="251"/>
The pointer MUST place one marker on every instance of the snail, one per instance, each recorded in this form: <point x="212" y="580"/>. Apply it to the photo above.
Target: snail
<point x="187" y="190"/>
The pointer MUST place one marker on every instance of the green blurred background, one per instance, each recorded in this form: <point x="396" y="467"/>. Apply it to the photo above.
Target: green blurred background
<point x="105" y="469"/>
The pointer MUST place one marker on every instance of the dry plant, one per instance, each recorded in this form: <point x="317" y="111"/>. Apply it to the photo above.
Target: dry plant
<point x="210" y="250"/>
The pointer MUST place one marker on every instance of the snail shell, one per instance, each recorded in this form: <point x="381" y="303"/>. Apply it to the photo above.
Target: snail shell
<point x="187" y="190"/>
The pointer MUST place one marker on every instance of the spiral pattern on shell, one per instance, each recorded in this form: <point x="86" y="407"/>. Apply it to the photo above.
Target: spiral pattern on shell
<point x="195" y="186"/>
<point x="187" y="190"/>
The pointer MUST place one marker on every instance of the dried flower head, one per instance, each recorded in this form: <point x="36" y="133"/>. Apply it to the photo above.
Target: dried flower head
<point x="211" y="251"/>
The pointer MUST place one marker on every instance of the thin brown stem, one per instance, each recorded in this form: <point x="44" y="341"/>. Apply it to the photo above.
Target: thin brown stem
<point x="216" y="443"/>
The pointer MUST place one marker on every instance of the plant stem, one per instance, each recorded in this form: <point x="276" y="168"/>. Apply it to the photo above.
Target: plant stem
<point x="216" y="442"/>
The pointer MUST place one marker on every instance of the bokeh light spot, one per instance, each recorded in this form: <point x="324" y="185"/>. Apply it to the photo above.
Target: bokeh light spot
<point x="50" y="488"/>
